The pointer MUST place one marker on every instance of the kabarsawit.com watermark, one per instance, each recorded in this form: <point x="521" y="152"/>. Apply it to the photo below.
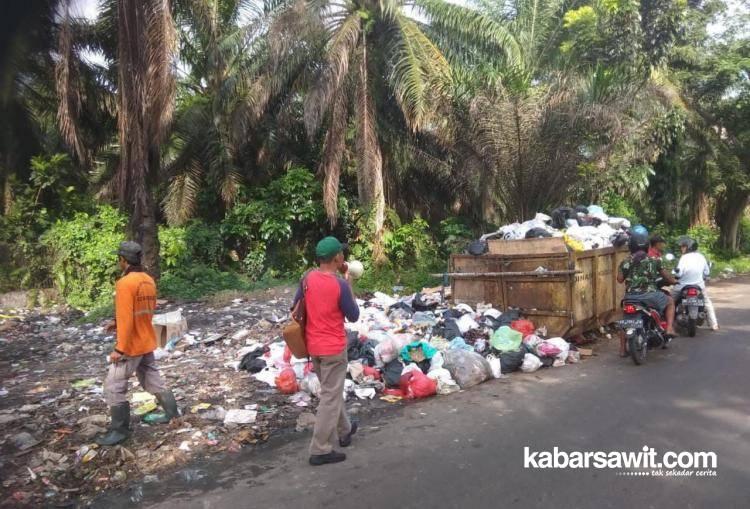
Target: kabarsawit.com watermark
<point x="645" y="463"/>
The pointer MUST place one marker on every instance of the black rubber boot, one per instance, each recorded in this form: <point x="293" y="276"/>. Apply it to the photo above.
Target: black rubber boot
<point x="119" y="426"/>
<point x="346" y="441"/>
<point x="168" y="403"/>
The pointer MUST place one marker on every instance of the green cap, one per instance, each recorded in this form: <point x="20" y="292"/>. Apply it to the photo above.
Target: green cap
<point x="329" y="247"/>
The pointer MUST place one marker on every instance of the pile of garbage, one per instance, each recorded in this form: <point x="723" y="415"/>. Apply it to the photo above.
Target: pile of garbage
<point x="415" y="347"/>
<point x="235" y="381"/>
<point x="583" y="228"/>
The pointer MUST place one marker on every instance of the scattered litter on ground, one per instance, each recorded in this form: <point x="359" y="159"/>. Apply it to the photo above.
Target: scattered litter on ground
<point x="234" y="380"/>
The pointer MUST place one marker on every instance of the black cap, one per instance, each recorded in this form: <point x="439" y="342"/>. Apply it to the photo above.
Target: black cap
<point x="131" y="251"/>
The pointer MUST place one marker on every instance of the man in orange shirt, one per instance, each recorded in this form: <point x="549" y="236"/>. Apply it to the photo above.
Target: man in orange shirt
<point x="135" y="302"/>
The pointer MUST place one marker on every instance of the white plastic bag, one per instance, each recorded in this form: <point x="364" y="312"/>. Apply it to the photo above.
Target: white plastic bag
<point x="492" y="312"/>
<point x="464" y="308"/>
<point x="268" y="375"/>
<point x="532" y="340"/>
<point x="495" y="364"/>
<point x="466" y="323"/>
<point x="385" y="352"/>
<point x="445" y="382"/>
<point x="310" y="384"/>
<point x="409" y="368"/>
<point x="563" y="345"/>
<point x="530" y="363"/>
<point x="437" y="361"/>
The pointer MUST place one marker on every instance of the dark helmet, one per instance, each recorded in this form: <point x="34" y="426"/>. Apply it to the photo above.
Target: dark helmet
<point x="638" y="242"/>
<point x="689" y="243"/>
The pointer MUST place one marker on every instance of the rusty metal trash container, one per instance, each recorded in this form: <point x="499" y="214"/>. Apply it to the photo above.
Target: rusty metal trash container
<point x="568" y="292"/>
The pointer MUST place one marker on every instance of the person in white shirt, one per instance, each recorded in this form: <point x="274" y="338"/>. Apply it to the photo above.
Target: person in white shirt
<point x="693" y="268"/>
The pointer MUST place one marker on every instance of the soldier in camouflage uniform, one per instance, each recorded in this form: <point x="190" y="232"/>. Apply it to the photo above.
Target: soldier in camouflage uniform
<point x="640" y="274"/>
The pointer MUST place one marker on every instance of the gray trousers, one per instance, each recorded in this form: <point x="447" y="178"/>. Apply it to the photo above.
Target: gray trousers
<point x="116" y="383"/>
<point x="331" y="420"/>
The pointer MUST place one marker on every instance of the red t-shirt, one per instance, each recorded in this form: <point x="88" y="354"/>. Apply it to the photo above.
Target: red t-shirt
<point x="328" y="300"/>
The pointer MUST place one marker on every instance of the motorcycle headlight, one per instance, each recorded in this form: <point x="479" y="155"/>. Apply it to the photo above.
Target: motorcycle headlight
<point x="630" y="332"/>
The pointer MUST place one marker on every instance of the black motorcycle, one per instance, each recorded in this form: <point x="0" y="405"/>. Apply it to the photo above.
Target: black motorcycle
<point x="690" y="311"/>
<point x="644" y="329"/>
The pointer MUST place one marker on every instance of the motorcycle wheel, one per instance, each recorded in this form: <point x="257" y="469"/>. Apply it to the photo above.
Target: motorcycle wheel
<point x="691" y="327"/>
<point x="638" y="347"/>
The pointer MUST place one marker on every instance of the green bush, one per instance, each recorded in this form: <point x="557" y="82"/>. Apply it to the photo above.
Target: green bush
<point x="83" y="266"/>
<point x="54" y="191"/>
<point x="706" y="236"/>
<point x="276" y="224"/>
<point x="455" y="235"/>
<point x="197" y="281"/>
<point x="195" y="243"/>
<point x="617" y="205"/>
<point x="744" y="234"/>
<point x="173" y="248"/>
<point x="411" y="253"/>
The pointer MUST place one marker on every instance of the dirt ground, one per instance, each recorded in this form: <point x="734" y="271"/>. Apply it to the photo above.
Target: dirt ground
<point x="51" y="371"/>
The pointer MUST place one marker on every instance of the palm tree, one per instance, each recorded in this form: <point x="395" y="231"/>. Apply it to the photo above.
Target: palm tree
<point x="237" y="104"/>
<point x="385" y="65"/>
<point x="146" y="41"/>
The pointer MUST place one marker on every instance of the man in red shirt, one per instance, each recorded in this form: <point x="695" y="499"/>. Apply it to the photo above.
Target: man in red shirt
<point x="657" y="245"/>
<point x="328" y="300"/>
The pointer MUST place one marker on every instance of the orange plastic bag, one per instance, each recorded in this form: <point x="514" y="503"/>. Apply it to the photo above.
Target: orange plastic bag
<point x="416" y="384"/>
<point x="286" y="381"/>
<point x="525" y="327"/>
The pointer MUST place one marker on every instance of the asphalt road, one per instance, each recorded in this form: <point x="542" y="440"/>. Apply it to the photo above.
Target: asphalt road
<point x="467" y="450"/>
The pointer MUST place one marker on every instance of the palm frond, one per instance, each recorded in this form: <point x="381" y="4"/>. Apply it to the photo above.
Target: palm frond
<point x="182" y="193"/>
<point x="336" y="66"/>
<point x="470" y="30"/>
<point x="333" y="153"/>
<point x="420" y="72"/>
<point x="161" y="37"/>
<point x="69" y="104"/>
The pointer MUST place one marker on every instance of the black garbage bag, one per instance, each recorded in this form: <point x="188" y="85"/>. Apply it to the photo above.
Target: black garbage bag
<point x="511" y="361"/>
<point x="392" y="373"/>
<point x="401" y="305"/>
<point x="582" y="209"/>
<point x="537" y="233"/>
<point x="491" y="323"/>
<point x="357" y="350"/>
<point x="560" y="215"/>
<point x="448" y="330"/>
<point x="420" y="305"/>
<point x="252" y="362"/>
<point x="621" y="239"/>
<point x="453" y="313"/>
<point x="547" y="361"/>
<point x="477" y="247"/>
<point x="509" y="316"/>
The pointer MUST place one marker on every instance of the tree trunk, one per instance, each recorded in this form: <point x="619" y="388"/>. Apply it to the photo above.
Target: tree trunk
<point x="370" y="161"/>
<point x="145" y="92"/>
<point x="699" y="213"/>
<point x="143" y="228"/>
<point x="729" y="210"/>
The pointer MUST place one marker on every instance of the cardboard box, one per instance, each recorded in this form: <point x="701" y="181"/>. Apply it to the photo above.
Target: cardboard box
<point x="168" y="327"/>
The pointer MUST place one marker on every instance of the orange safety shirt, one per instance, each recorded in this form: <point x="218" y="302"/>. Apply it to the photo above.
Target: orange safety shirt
<point x="135" y="302"/>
